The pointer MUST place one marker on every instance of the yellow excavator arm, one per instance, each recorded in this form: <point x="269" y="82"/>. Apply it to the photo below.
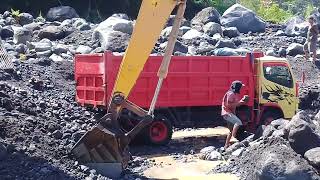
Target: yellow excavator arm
<point x="151" y="19"/>
<point x="105" y="146"/>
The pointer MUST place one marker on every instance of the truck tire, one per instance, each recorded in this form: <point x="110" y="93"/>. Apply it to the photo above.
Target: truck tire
<point x="159" y="132"/>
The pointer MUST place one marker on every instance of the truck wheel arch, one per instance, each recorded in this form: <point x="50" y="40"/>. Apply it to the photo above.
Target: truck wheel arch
<point x="269" y="113"/>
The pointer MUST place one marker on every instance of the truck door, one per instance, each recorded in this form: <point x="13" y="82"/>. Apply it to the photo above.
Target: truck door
<point x="278" y="87"/>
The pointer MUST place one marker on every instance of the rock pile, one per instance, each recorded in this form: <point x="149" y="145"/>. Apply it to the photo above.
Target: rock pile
<point x="286" y="150"/>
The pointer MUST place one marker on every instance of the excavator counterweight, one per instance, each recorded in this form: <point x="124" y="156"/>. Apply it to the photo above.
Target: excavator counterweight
<point x="105" y="146"/>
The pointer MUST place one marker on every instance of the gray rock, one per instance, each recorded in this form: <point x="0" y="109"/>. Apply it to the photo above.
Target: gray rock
<point x="238" y="152"/>
<point x="21" y="35"/>
<point x="280" y="33"/>
<point x="56" y="58"/>
<point x="207" y="149"/>
<point x="212" y="28"/>
<point x="275" y="165"/>
<point x="231" y="32"/>
<point x="225" y="52"/>
<point x="243" y="19"/>
<point x="115" y="24"/>
<point x="21" y="48"/>
<point x="6" y="32"/>
<point x="313" y="157"/>
<point x="205" y="48"/>
<point x="61" y="13"/>
<point x="98" y="50"/>
<point x="183" y="23"/>
<point x="43" y="45"/>
<point x="6" y="14"/>
<point x="121" y="16"/>
<point x="271" y="52"/>
<point x="225" y="43"/>
<point x="3" y="152"/>
<point x="44" y="53"/>
<point x="84" y="27"/>
<point x="282" y="52"/>
<point x="114" y="40"/>
<point x="57" y="134"/>
<point x="184" y="29"/>
<point x="214" y="156"/>
<point x="295" y="49"/>
<point x="178" y="47"/>
<point x="301" y="134"/>
<point x="60" y="48"/>
<point x="279" y="123"/>
<point x="25" y="18"/>
<point x="192" y="50"/>
<point x="11" y="21"/>
<point x="83" y="49"/>
<point x="81" y="24"/>
<point x="32" y="26"/>
<point x="209" y="14"/>
<point x="192" y="34"/>
<point x="52" y="33"/>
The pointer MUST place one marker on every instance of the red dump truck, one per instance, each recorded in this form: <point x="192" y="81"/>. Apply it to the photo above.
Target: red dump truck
<point x="193" y="91"/>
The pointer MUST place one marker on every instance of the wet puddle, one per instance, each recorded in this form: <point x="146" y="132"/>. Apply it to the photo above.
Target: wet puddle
<point x="188" y="166"/>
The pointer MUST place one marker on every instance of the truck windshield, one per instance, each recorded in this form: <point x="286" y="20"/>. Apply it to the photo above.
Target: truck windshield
<point x="278" y="73"/>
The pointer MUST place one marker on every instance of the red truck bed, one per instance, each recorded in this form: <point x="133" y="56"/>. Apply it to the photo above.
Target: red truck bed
<point x="192" y="80"/>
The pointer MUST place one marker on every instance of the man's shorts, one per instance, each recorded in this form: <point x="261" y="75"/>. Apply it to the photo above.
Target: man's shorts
<point x="233" y="119"/>
<point x="310" y="46"/>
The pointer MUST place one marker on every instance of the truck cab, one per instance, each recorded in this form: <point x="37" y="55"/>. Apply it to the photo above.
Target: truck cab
<point x="276" y="89"/>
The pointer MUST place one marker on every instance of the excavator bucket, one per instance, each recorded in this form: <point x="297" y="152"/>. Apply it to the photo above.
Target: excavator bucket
<point x="99" y="149"/>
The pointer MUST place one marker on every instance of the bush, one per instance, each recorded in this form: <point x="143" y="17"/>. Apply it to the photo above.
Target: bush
<point x="274" y="14"/>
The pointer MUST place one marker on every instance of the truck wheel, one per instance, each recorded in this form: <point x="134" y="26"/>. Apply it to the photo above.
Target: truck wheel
<point x="159" y="132"/>
<point x="269" y="116"/>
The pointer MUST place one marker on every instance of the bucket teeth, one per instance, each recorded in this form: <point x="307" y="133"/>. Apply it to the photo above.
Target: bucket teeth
<point x="98" y="145"/>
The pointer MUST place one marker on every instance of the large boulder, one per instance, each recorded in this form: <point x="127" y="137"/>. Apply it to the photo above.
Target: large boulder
<point x="313" y="157"/>
<point x="209" y="14"/>
<point x="52" y="33"/>
<point x="212" y="28"/>
<point x="25" y="18"/>
<point x="115" y="41"/>
<point x="296" y="26"/>
<point x="295" y="49"/>
<point x="21" y="35"/>
<point x="61" y="13"/>
<point x="243" y="19"/>
<point x="115" y="23"/>
<point x="301" y="133"/>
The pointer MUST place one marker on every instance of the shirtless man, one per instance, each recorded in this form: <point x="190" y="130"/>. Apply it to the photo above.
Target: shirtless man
<point x="312" y="39"/>
<point x="230" y="102"/>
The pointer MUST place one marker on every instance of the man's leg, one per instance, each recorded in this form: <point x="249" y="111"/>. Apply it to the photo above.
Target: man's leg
<point x="233" y="119"/>
<point x="306" y="50"/>
<point x="313" y="47"/>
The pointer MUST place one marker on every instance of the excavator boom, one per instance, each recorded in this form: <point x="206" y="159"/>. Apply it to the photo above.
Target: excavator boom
<point x="105" y="146"/>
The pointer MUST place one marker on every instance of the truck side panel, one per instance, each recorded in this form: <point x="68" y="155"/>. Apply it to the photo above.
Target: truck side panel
<point x="192" y="80"/>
